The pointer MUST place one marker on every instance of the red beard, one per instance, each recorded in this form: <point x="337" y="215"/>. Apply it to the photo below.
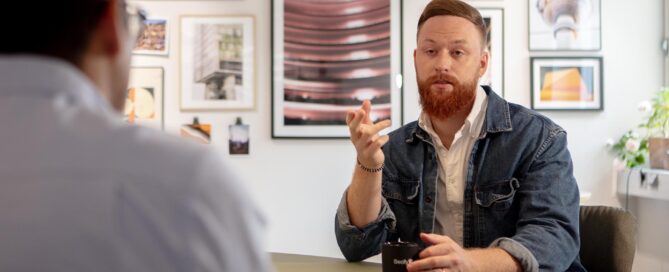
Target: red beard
<point x="441" y="105"/>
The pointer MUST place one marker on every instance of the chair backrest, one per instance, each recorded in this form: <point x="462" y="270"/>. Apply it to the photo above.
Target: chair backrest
<point x="608" y="238"/>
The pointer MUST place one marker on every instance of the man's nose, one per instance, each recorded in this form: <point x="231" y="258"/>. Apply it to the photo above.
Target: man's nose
<point x="443" y="63"/>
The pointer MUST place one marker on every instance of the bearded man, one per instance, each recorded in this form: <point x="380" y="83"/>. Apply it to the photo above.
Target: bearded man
<point x="480" y="183"/>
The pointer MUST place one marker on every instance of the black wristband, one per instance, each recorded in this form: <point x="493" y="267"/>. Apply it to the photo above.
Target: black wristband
<point x="371" y="170"/>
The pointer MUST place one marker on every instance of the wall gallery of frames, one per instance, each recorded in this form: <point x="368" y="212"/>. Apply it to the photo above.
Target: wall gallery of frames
<point x="327" y="57"/>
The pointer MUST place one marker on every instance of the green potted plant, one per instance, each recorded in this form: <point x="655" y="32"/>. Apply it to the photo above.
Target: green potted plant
<point x="633" y="148"/>
<point x="657" y="127"/>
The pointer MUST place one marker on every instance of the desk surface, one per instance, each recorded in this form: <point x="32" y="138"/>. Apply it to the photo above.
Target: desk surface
<point x="302" y="263"/>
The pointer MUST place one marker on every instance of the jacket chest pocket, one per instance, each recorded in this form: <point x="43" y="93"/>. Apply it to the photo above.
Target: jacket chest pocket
<point x="498" y="195"/>
<point x="402" y="190"/>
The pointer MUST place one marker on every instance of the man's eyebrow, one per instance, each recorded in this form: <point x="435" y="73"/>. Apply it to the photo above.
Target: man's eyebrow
<point x="429" y="40"/>
<point x="456" y="42"/>
<point x="459" y="42"/>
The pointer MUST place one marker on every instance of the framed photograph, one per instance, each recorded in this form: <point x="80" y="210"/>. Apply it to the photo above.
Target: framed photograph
<point x="197" y="132"/>
<point x="217" y="63"/>
<point x="573" y="25"/>
<point x="239" y="139"/>
<point x="494" y="76"/>
<point x="154" y="39"/>
<point x="328" y="57"/>
<point x="569" y="83"/>
<point x="144" y="99"/>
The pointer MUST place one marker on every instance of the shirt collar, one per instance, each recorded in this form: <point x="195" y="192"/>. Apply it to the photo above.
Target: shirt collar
<point x="32" y="75"/>
<point x="474" y="120"/>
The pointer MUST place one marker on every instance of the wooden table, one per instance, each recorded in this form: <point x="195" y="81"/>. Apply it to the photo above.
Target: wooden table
<point x="303" y="263"/>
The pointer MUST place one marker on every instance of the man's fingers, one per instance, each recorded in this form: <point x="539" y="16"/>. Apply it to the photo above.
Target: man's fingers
<point x="432" y="239"/>
<point x="377" y="143"/>
<point x="349" y="117"/>
<point x="355" y="122"/>
<point x="380" y="126"/>
<point x="369" y="133"/>
<point x="383" y="140"/>
<point x="436" y="250"/>
<point x="367" y="107"/>
<point x="431" y="263"/>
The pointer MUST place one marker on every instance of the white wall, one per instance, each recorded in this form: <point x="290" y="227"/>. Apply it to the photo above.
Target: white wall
<point x="299" y="182"/>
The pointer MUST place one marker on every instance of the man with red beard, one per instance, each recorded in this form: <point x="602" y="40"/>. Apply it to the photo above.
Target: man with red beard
<point x="480" y="183"/>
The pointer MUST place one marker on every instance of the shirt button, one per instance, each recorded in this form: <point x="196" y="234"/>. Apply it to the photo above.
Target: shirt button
<point x="428" y="199"/>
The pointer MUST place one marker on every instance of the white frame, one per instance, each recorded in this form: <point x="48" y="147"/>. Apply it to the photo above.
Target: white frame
<point x="540" y="35"/>
<point x="164" y="52"/>
<point x="187" y="64"/>
<point x="150" y="77"/>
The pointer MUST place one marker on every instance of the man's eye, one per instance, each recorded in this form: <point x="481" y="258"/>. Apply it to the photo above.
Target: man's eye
<point x="430" y="52"/>
<point x="458" y="53"/>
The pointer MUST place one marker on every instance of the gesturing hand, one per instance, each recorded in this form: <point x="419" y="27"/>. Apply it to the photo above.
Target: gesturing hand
<point x="365" y="136"/>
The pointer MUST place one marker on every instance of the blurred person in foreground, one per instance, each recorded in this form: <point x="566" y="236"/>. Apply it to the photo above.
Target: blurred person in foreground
<point x="82" y="191"/>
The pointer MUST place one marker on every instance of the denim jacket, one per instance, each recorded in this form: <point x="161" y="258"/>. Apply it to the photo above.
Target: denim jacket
<point x="520" y="193"/>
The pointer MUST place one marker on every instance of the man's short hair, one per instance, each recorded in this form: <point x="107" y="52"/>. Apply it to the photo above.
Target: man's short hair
<point x="60" y="29"/>
<point x="454" y="8"/>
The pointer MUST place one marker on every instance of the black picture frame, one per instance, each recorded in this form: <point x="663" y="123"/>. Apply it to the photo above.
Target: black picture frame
<point x="494" y="77"/>
<point x="584" y="75"/>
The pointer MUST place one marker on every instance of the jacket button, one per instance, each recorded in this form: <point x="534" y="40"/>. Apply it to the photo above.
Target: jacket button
<point x="428" y="199"/>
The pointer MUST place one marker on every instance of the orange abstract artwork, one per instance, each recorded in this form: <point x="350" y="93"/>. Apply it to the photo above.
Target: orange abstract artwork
<point x="200" y="133"/>
<point x="565" y="85"/>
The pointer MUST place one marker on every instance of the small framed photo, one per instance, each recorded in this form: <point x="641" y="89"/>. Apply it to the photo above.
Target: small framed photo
<point x="567" y="83"/>
<point x="197" y="132"/>
<point x="565" y="25"/>
<point x="327" y="58"/>
<point x="144" y="99"/>
<point x="154" y="40"/>
<point x="217" y="63"/>
<point x="239" y="139"/>
<point x="494" y="76"/>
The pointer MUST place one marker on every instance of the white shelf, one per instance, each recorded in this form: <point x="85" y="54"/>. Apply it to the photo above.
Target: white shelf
<point x="644" y="182"/>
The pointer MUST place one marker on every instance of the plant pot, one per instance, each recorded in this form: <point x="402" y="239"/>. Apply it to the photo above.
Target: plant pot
<point x="659" y="152"/>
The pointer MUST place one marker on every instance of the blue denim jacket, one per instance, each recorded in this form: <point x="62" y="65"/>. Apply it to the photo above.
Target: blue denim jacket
<point x="520" y="193"/>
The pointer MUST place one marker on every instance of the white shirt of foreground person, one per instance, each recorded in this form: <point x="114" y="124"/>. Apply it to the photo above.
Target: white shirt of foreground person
<point x="82" y="191"/>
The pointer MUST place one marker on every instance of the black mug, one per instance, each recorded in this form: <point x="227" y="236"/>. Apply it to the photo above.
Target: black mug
<point x="396" y="255"/>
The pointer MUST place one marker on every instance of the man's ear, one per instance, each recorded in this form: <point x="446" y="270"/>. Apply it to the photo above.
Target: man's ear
<point x="485" y="61"/>
<point x="107" y="36"/>
<point x="414" y="55"/>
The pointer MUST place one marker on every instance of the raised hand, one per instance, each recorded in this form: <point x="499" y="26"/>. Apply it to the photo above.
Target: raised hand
<point x="365" y="136"/>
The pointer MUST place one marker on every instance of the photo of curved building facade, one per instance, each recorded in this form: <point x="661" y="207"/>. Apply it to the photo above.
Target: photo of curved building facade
<point x="336" y="55"/>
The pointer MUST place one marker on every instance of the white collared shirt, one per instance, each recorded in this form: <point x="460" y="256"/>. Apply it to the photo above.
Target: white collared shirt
<point x="449" y="213"/>
<point x="82" y="191"/>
